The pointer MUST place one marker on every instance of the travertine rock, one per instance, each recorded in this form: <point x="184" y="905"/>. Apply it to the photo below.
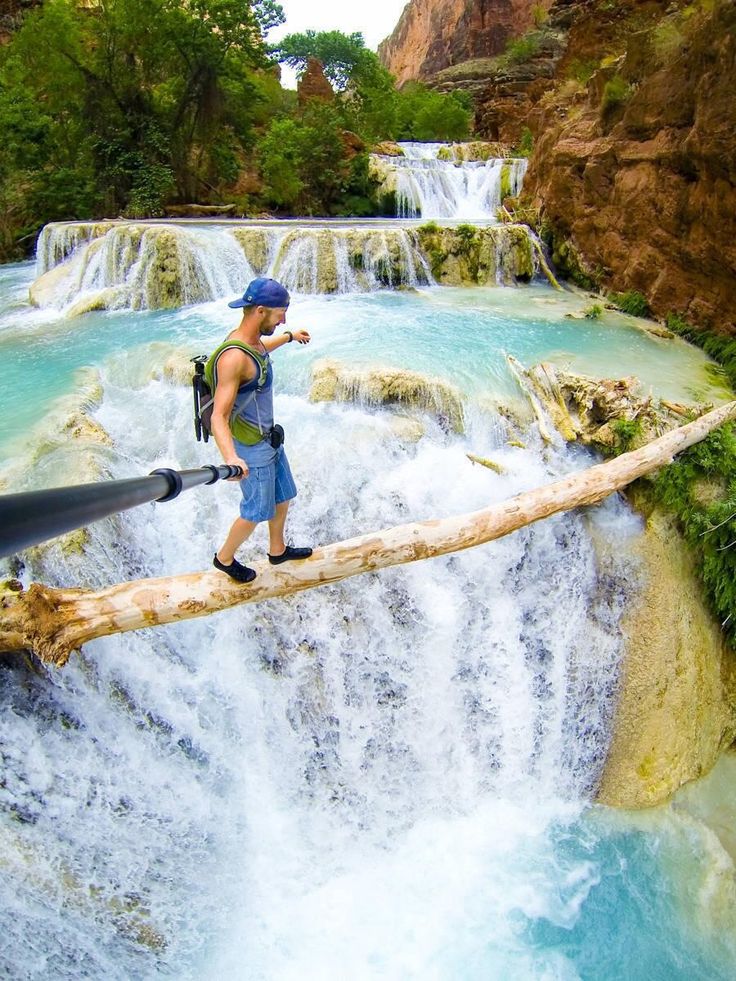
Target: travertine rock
<point x="378" y="385"/>
<point x="676" y="709"/>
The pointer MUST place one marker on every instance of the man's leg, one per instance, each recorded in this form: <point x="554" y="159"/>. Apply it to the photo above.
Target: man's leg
<point x="241" y="530"/>
<point x="276" y="543"/>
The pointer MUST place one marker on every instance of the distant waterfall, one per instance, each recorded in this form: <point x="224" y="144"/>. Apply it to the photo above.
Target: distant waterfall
<point x="432" y="180"/>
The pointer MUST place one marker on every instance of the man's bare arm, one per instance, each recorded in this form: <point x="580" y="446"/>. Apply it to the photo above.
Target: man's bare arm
<point x="278" y="340"/>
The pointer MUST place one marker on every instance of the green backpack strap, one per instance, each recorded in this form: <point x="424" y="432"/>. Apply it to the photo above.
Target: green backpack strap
<point x="210" y="369"/>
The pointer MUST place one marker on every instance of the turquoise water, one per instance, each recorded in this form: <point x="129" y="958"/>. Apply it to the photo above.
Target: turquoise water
<point x="389" y="778"/>
<point x="462" y="335"/>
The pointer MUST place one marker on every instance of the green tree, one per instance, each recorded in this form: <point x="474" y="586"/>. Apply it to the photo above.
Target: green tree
<point x="422" y="114"/>
<point x="303" y="161"/>
<point x="340" y="54"/>
<point x="139" y="99"/>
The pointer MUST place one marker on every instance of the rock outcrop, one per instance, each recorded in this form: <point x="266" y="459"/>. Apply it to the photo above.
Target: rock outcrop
<point x="380" y="385"/>
<point x="678" y="688"/>
<point x="313" y="84"/>
<point x="434" y="34"/>
<point x="636" y="178"/>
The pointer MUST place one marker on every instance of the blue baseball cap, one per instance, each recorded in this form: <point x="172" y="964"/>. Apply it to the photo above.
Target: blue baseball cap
<point x="263" y="293"/>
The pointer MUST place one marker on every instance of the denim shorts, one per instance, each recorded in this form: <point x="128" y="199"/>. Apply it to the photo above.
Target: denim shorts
<point x="269" y="481"/>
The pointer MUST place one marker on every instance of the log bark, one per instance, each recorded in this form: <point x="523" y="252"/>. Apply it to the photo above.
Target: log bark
<point x="52" y="623"/>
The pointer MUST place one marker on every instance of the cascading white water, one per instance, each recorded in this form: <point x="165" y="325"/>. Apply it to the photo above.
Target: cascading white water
<point x="256" y="757"/>
<point x="139" y="266"/>
<point x="384" y="778"/>
<point x="431" y="183"/>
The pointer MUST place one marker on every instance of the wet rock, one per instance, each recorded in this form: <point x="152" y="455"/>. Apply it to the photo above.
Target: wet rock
<point x="335" y="382"/>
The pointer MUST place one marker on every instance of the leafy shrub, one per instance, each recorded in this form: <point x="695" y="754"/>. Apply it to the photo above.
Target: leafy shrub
<point x="594" y="311"/>
<point x="718" y="346"/>
<point x="708" y="525"/>
<point x="632" y="302"/>
<point x="526" y="143"/>
<point x="522" y="49"/>
<point x="616" y="91"/>
<point x="627" y="432"/>
<point x="582" y="70"/>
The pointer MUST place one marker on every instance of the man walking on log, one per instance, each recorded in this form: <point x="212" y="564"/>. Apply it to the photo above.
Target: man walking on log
<point x="240" y="374"/>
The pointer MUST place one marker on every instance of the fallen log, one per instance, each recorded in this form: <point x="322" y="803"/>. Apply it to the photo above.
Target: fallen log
<point x="52" y="623"/>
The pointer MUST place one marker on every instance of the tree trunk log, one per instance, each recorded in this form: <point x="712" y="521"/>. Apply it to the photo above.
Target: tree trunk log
<point x="54" y="622"/>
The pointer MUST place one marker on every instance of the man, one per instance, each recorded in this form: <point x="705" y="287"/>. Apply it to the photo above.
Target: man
<point x="241" y="376"/>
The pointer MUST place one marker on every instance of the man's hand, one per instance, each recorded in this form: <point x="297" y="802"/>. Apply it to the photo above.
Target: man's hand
<point x="235" y="461"/>
<point x="301" y="336"/>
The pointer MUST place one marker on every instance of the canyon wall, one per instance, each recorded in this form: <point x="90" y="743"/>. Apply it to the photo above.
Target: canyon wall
<point x="632" y="110"/>
<point x="635" y="177"/>
<point x="434" y="34"/>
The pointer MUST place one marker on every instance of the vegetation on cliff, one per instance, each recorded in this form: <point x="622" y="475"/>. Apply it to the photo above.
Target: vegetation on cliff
<point x="135" y="105"/>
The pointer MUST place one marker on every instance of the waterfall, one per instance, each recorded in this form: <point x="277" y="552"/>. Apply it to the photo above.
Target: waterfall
<point x="137" y="265"/>
<point x="385" y="777"/>
<point x="433" y="180"/>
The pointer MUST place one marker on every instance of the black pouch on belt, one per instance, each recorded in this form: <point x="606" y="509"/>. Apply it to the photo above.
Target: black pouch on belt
<point x="276" y="436"/>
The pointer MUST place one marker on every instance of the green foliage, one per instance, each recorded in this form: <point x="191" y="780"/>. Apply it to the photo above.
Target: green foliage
<point x="539" y="15"/>
<point x="632" y="302"/>
<point x="594" y="311"/>
<point x="505" y="188"/>
<point x="136" y="100"/>
<point x="627" y="432"/>
<point x="421" y="114"/>
<point x="340" y="54"/>
<point x="700" y="490"/>
<point x="526" y="143"/>
<point x="522" y="49"/>
<point x="582" y="70"/>
<point x="303" y="161"/>
<point x="718" y="346"/>
<point x="616" y="92"/>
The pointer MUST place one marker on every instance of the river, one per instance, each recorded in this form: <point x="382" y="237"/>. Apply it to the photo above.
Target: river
<point x="388" y="778"/>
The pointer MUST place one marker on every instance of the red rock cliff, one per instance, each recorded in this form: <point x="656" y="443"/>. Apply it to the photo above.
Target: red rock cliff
<point x="434" y="34"/>
<point x="638" y="182"/>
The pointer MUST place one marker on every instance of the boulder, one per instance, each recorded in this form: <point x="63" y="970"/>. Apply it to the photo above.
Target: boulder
<point x="677" y="704"/>
<point x="377" y="385"/>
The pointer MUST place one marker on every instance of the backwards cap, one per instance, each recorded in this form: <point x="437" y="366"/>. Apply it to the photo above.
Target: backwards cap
<point x="263" y="293"/>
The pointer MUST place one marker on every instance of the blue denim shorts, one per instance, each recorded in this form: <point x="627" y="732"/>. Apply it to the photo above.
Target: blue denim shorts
<point x="269" y="481"/>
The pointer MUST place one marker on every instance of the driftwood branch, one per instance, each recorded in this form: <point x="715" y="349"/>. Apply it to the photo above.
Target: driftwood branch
<point x="54" y="622"/>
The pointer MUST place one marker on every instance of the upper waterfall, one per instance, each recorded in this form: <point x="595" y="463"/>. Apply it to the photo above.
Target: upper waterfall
<point x="440" y="180"/>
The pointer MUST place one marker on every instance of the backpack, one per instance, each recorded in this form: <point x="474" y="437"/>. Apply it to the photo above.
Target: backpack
<point x="204" y="400"/>
<point x="203" y="388"/>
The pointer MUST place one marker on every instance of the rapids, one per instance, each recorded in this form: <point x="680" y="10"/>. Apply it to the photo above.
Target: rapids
<point x="387" y="778"/>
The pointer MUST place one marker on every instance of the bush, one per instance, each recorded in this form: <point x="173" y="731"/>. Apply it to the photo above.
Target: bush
<point x="717" y="346"/>
<point x="582" y="70"/>
<point x="594" y="312"/>
<point x="526" y="143"/>
<point x="522" y="49"/>
<point x="633" y="303"/>
<point x="708" y="525"/>
<point x="616" y="91"/>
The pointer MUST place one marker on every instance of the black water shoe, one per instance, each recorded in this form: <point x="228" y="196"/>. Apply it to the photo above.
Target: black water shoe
<point x="290" y="553"/>
<point x="236" y="571"/>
